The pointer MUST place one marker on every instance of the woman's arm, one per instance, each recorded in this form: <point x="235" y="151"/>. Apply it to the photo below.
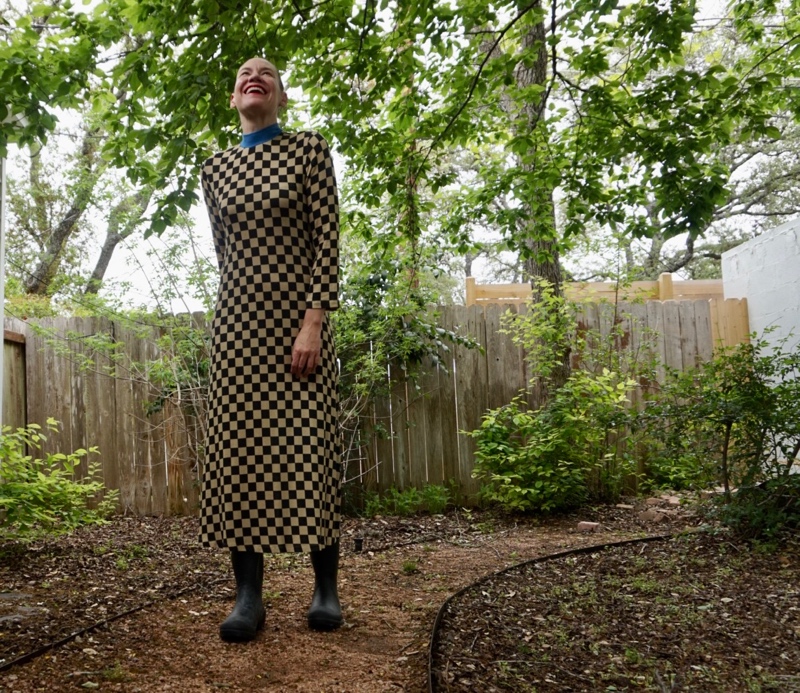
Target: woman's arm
<point x="322" y="213"/>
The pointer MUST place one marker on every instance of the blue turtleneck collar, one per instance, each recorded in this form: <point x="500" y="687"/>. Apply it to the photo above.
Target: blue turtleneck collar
<point x="251" y="139"/>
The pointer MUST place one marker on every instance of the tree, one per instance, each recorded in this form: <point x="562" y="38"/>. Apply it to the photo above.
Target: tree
<point x="49" y="237"/>
<point x="761" y="182"/>
<point x="592" y="100"/>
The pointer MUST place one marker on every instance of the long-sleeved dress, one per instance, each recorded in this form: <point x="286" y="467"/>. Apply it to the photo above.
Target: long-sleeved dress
<point x="272" y="469"/>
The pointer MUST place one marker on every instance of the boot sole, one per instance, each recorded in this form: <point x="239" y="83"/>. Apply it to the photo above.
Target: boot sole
<point x="324" y="624"/>
<point x="239" y="634"/>
<point x="236" y="635"/>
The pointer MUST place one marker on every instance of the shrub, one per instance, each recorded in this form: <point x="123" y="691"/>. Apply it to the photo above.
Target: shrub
<point x="435" y="498"/>
<point x="765" y="510"/>
<point x="544" y="460"/>
<point x="740" y="412"/>
<point x="39" y="496"/>
<point x="432" y="499"/>
<point x="566" y="451"/>
<point x="734" y="421"/>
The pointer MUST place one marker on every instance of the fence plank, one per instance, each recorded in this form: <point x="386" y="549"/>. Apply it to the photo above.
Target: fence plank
<point x="154" y="438"/>
<point x="14" y="389"/>
<point x="473" y="395"/>
<point x="607" y="314"/>
<point x="182" y="497"/>
<point x="101" y="400"/>
<point x="384" y="448"/>
<point x="448" y="397"/>
<point x="75" y="334"/>
<point x="464" y="369"/>
<point x="431" y="389"/>
<point x="656" y="324"/>
<point x="639" y="345"/>
<point x="136" y="347"/>
<point x="736" y="318"/>
<point x="415" y="435"/>
<point x="495" y="353"/>
<point x="53" y="373"/>
<point x="688" y="334"/>
<point x="702" y="326"/>
<point x="368" y="464"/>
<point x="673" y="355"/>
<point x="125" y="423"/>
<point x="399" y="401"/>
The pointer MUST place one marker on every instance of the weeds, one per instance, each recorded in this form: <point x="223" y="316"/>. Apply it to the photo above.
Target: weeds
<point x="431" y="499"/>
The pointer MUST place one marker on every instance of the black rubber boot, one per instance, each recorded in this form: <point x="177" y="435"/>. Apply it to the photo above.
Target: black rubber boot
<point x="248" y="613"/>
<point x="325" y="612"/>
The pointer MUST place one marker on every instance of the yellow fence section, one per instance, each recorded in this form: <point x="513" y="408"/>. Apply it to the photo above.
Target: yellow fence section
<point x="664" y="289"/>
<point x="730" y="322"/>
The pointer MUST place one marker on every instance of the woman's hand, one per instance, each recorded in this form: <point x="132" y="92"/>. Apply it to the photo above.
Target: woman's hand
<point x="308" y="344"/>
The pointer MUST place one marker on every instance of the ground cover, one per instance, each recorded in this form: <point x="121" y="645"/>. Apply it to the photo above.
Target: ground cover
<point x="174" y="594"/>
<point x="699" y="612"/>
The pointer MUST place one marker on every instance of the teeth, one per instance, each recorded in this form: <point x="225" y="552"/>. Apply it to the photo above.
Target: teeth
<point x="250" y="90"/>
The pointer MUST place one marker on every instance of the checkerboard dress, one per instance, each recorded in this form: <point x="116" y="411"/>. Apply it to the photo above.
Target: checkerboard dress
<point x="272" y="472"/>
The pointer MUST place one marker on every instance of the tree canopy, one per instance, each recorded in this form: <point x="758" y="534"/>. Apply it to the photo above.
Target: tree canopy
<point x="590" y="101"/>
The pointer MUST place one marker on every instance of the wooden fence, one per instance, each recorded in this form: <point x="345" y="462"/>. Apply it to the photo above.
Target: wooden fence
<point x="426" y="442"/>
<point x="150" y="457"/>
<point x="102" y="402"/>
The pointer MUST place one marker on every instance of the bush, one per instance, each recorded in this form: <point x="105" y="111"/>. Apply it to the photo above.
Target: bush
<point x="737" y="416"/>
<point x="765" y="510"/>
<point x="566" y="451"/>
<point x="545" y="460"/>
<point x="734" y="421"/>
<point x="39" y="496"/>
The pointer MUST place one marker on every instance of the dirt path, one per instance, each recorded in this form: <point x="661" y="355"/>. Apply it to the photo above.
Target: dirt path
<point x="390" y="592"/>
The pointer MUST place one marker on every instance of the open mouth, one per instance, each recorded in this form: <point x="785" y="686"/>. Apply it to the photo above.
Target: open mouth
<point x="254" y="89"/>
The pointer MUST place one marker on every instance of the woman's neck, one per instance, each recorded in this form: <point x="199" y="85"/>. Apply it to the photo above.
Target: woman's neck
<point x="254" y="125"/>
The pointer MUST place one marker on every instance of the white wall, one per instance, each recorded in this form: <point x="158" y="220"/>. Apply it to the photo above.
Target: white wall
<point x="766" y="271"/>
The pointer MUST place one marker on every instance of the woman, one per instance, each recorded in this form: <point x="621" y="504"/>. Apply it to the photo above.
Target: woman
<point x="271" y="479"/>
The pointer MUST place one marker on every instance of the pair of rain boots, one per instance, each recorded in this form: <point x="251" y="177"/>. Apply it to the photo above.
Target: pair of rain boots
<point x="248" y="614"/>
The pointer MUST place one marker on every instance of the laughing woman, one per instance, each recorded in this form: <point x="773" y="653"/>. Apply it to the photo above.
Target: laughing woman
<point x="272" y="472"/>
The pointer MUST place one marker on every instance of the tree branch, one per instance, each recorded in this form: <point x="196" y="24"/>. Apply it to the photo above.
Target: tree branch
<point x="474" y="84"/>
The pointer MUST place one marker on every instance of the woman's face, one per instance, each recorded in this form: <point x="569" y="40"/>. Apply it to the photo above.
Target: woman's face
<point x="258" y="92"/>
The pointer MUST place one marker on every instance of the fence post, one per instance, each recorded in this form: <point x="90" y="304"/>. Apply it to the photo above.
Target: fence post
<point x="666" y="291"/>
<point x="469" y="299"/>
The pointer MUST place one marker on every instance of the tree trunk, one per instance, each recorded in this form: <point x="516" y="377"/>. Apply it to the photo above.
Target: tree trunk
<point x="123" y="221"/>
<point x="41" y="277"/>
<point x="539" y="239"/>
<point x="542" y="254"/>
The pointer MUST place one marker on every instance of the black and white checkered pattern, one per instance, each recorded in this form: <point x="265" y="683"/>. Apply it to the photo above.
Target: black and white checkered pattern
<point x="272" y="472"/>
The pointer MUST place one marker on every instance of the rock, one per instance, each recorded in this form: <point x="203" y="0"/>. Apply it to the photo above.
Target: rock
<point x="624" y="506"/>
<point x="588" y="526"/>
<point x="653" y="501"/>
<point x="652" y="516"/>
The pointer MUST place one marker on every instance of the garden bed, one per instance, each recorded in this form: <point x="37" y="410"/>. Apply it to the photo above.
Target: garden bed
<point x="173" y="594"/>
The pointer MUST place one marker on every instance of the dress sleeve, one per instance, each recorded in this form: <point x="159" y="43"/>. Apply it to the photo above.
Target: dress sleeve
<point x="322" y="215"/>
<point x="217" y="228"/>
